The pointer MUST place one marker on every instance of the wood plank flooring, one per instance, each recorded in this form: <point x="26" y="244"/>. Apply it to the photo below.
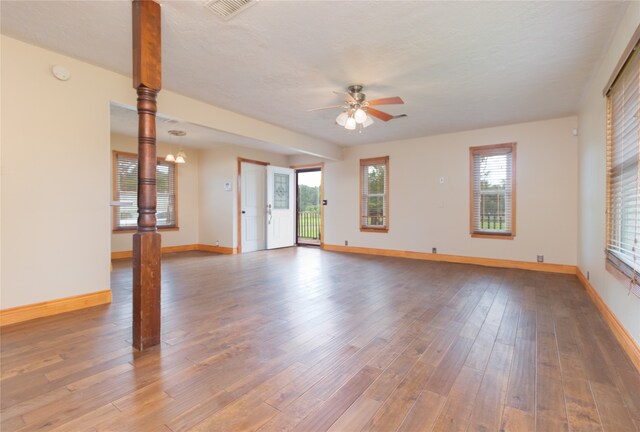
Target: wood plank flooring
<point x="305" y="340"/>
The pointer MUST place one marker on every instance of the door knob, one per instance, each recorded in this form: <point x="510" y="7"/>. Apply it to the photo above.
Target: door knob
<point x="243" y="212"/>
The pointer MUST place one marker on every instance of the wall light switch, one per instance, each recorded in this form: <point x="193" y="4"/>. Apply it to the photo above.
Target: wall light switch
<point x="227" y="186"/>
<point x="441" y="179"/>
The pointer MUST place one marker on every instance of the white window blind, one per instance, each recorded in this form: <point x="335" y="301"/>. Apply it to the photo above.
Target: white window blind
<point x="623" y="185"/>
<point x="493" y="193"/>
<point x="126" y="190"/>
<point x="374" y="186"/>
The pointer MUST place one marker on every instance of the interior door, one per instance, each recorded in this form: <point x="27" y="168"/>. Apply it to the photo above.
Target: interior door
<point x="253" y="204"/>
<point x="281" y="208"/>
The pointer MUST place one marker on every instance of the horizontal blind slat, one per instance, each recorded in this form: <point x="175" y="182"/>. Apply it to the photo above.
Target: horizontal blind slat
<point x="127" y="191"/>
<point x="492" y="189"/>
<point x="623" y="150"/>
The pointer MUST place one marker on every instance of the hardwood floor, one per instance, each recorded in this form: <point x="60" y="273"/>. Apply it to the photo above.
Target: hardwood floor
<point x="305" y="340"/>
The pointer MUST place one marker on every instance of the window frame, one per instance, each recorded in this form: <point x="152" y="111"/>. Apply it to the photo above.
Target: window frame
<point x="365" y="163"/>
<point x="114" y="177"/>
<point x="614" y="264"/>
<point x="492" y="149"/>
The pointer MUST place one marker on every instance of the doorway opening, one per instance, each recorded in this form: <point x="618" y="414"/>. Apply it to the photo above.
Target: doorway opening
<point x="309" y="206"/>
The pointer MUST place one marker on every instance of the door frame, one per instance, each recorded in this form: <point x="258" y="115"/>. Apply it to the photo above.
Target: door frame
<point x="303" y="168"/>
<point x="239" y="196"/>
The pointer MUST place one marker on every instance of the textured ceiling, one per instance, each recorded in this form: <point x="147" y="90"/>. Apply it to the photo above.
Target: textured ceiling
<point x="457" y="65"/>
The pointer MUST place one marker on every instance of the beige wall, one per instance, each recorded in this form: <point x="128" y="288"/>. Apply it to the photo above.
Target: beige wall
<point x="55" y="192"/>
<point x="425" y="213"/>
<point x="188" y="196"/>
<point x="56" y="227"/>
<point x="218" y="208"/>
<point x="592" y="192"/>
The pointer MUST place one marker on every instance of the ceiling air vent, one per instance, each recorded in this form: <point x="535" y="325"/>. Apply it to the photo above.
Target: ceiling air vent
<point x="227" y="9"/>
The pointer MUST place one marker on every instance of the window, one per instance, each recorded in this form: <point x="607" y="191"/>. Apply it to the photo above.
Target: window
<point x="125" y="189"/>
<point x="493" y="191"/>
<point x="374" y="194"/>
<point x="623" y="194"/>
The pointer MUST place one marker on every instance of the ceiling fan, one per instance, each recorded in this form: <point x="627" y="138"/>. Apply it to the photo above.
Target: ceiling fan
<point x="357" y="110"/>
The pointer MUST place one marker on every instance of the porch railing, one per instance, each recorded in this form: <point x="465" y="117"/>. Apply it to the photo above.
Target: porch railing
<point x="309" y="225"/>
<point x="492" y="222"/>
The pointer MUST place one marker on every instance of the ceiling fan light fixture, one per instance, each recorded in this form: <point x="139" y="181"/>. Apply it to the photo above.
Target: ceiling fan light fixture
<point x="357" y="110"/>
<point x="367" y="122"/>
<point x="342" y="118"/>
<point x="170" y="158"/>
<point x="360" y="116"/>
<point x="350" y="124"/>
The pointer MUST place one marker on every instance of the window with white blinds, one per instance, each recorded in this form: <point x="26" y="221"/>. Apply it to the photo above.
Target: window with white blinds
<point x="374" y="194"/>
<point x="623" y="185"/>
<point x="125" y="183"/>
<point x="493" y="190"/>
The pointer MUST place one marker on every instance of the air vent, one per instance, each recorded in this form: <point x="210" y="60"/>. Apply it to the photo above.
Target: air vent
<point x="227" y="9"/>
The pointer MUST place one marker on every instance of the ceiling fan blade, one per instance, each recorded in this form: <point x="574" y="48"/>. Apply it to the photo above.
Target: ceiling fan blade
<point x="327" y="107"/>
<point x="349" y="98"/>
<point x="379" y="114"/>
<point x="386" y="101"/>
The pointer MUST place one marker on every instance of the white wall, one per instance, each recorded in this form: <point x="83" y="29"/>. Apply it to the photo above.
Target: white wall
<point x="56" y="164"/>
<point x="188" y="196"/>
<point x="218" y="208"/>
<point x="424" y="213"/>
<point x="592" y="192"/>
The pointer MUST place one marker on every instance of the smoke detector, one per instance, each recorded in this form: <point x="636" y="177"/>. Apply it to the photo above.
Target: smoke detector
<point x="227" y="9"/>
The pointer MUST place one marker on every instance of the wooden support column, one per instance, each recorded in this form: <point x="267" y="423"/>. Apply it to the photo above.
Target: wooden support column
<point x="147" y="80"/>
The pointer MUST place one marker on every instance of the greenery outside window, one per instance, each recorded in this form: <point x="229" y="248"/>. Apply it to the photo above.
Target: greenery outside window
<point x="374" y="194"/>
<point x="493" y="191"/>
<point x="125" y="190"/>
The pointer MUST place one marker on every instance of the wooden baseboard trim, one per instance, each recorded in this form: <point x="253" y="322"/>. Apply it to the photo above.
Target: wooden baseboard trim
<point x="217" y="249"/>
<point x="121" y="255"/>
<point x="487" y="262"/>
<point x="629" y="344"/>
<point x="182" y="248"/>
<point x="174" y="249"/>
<point x="53" y="307"/>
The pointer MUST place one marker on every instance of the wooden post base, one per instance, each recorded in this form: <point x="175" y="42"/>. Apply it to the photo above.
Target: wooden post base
<point x="146" y="289"/>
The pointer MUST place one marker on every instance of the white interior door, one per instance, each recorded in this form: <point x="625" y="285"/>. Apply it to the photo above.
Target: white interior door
<point x="281" y="209"/>
<point x="252" y="207"/>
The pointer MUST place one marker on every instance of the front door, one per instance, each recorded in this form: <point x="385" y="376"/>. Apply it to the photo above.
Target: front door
<point x="252" y="207"/>
<point x="281" y="209"/>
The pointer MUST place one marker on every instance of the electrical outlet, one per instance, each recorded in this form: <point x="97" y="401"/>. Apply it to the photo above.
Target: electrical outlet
<point x="434" y="250"/>
<point x="217" y="242"/>
<point x="346" y="242"/>
<point x="540" y="258"/>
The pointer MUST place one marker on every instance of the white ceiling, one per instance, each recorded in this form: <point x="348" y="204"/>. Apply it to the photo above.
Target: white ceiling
<point x="457" y="65"/>
<point x="124" y="120"/>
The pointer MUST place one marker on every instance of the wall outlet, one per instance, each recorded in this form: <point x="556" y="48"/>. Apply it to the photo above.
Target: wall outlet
<point x="434" y="250"/>
<point x="217" y="242"/>
<point x="540" y="258"/>
<point x="346" y="242"/>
